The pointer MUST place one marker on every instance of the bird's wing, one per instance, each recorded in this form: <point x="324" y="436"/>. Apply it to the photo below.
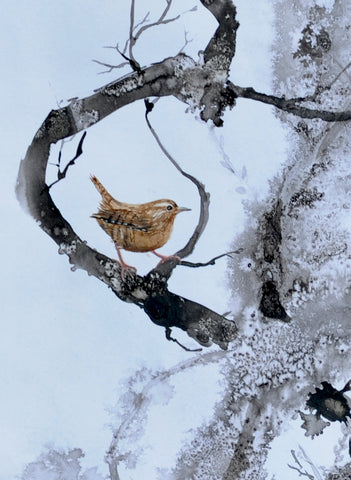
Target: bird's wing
<point x="125" y="217"/>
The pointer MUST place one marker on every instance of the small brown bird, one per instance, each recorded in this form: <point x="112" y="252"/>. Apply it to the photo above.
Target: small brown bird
<point x="140" y="227"/>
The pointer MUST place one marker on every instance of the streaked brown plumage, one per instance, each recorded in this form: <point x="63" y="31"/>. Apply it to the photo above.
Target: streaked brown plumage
<point x="140" y="227"/>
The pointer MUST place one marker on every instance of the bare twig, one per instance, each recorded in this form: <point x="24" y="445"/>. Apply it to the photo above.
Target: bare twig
<point x="62" y="175"/>
<point x="169" y="337"/>
<point x="210" y="262"/>
<point x="142" y="21"/>
<point x="320" y="88"/>
<point x="301" y="473"/>
<point x="186" y="42"/>
<point x="131" y="30"/>
<point x="312" y="465"/>
<point x="204" y="196"/>
<point x="135" y="32"/>
<point x="132" y="62"/>
<point x="110" y="66"/>
<point x="162" y="20"/>
<point x="300" y="467"/>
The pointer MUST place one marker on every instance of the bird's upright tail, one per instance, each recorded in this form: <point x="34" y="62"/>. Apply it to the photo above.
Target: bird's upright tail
<point x="107" y="200"/>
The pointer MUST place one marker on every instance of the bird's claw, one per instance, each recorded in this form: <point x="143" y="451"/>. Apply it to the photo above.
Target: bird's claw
<point x="128" y="271"/>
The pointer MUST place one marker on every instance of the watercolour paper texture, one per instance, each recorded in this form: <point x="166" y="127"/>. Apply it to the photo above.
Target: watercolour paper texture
<point x="91" y="387"/>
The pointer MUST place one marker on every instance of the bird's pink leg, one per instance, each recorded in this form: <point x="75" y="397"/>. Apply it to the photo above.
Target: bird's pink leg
<point x="165" y="257"/>
<point x="126" y="269"/>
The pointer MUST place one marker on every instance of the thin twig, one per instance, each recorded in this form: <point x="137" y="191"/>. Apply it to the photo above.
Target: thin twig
<point x="144" y="20"/>
<point x="169" y="337"/>
<point x="131" y="29"/>
<point x="161" y="21"/>
<point x="155" y="24"/>
<point x="132" y="62"/>
<point x="204" y="196"/>
<point x="299" y="470"/>
<point x="210" y="262"/>
<point x="135" y="32"/>
<point x="186" y="42"/>
<point x="321" y="89"/>
<point x="110" y="66"/>
<point x="301" y="473"/>
<point x="309" y="461"/>
<point x="62" y="175"/>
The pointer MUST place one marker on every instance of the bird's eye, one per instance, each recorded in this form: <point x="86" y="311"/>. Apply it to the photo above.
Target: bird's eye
<point x="169" y="207"/>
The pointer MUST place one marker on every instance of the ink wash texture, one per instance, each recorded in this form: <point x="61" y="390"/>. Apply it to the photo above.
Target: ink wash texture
<point x="92" y="388"/>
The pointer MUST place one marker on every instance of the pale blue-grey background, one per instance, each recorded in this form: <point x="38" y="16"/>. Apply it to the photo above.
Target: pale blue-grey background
<point x="66" y="342"/>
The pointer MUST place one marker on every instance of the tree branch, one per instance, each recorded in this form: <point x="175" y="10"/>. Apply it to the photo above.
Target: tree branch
<point x="150" y="292"/>
<point x="166" y="268"/>
<point x="210" y="262"/>
<point x="290" y="105"/>
<point x="218" y="56"/>
<point x="62" y="175"/>
<point x="135" y="34"/>
<point x="110" y="66"/>
<point x="200" y="85"/>
<point x="221" y="48"/>
<point x="170" y="338"/>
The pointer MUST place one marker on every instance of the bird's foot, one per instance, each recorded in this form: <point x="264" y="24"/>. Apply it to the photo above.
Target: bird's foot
<point x="164" y="258"/>
<point x="127" y="271"/>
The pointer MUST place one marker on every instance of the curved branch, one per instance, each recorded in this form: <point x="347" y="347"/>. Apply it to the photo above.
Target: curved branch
<point x="166" y="268"/>
<point x="200" y="85"/>
<point x="161" y="79"/>
<point x="150" y="293"/>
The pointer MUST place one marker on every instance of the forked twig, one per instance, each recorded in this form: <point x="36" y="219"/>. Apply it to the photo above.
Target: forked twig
<point x="135" y="31"/>
<point x="300" y="467"/>
<point x="110" y="66"/>
<point x="62" y="175"/>
<point x="186" y="42"/>
<point x="132" y="62"/>
<point x="162" y="20"/>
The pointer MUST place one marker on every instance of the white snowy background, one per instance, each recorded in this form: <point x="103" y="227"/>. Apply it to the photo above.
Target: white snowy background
<point x="67" y="344"/>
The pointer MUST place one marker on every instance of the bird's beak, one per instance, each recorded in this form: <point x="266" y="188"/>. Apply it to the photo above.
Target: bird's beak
<point x="183" y="209"/>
